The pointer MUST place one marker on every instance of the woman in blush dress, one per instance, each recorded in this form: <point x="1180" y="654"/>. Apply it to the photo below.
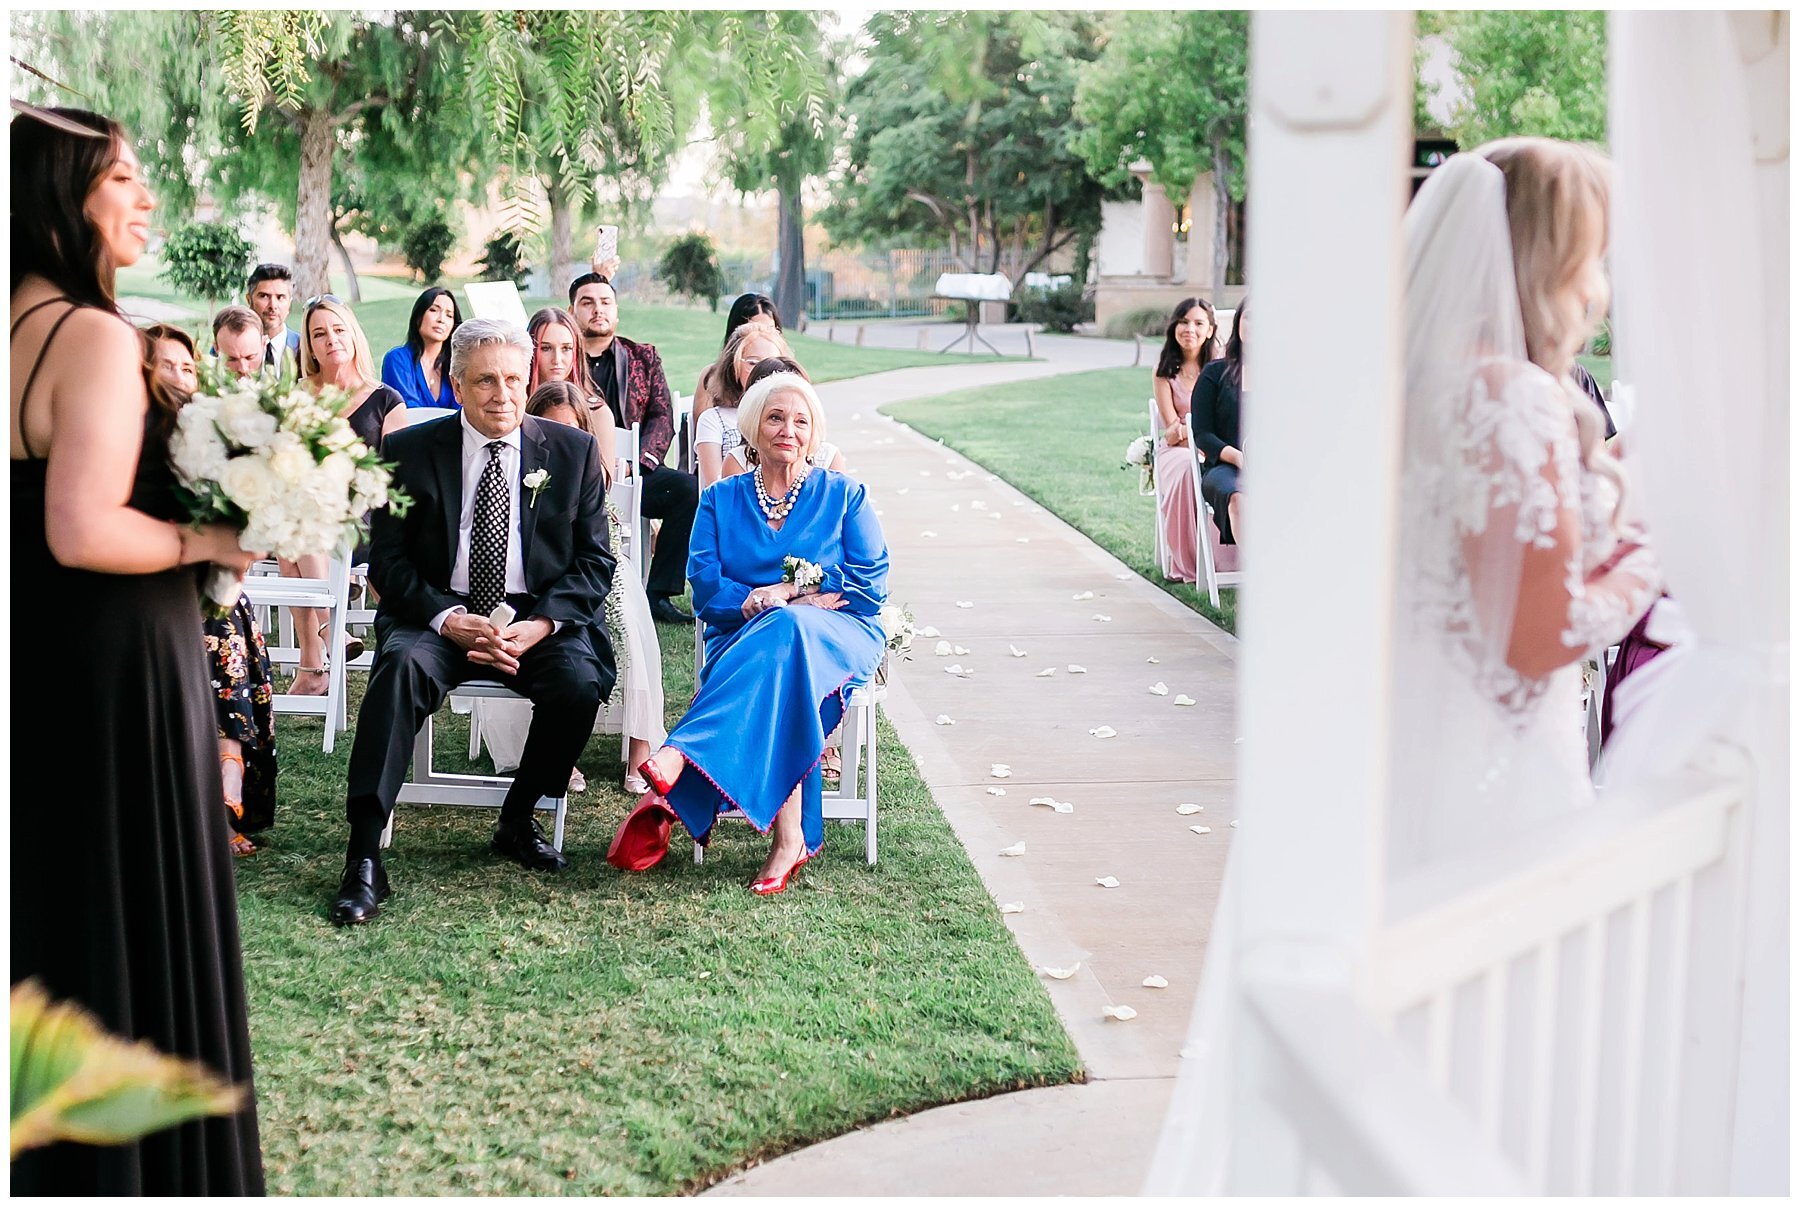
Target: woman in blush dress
<point x="1187" y="347"/>
<point x="782" y="649"/>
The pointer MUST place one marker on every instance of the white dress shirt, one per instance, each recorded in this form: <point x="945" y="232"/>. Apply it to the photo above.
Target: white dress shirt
<point x="474" y="461"/>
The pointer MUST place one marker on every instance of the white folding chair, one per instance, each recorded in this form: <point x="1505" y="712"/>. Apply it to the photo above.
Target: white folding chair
<point x="270" y="592"/>
<point x="683" y="408"/>
<point x="429" y="786"/>
<point x="1206" y="532"/>
<point x="628" y="497"/>
<point x="1156" y="490"/>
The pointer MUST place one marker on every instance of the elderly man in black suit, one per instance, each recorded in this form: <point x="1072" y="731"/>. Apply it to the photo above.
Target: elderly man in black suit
<point x="505" y="509"/>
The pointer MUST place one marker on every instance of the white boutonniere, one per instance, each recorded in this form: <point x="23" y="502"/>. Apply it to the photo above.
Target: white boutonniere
<point x="803" y="574"/>
<point x="535" y="481"/>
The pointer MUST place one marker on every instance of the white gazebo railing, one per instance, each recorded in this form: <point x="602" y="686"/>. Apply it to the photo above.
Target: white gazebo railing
<point x="1599" y="1006"/>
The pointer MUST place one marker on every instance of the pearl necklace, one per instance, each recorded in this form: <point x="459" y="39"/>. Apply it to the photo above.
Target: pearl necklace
<point x="777" y="509"/>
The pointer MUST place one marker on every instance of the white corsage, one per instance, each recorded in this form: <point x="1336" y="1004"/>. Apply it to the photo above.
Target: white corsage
<point x="803" y="574"/>
<point x="535" y="481"/>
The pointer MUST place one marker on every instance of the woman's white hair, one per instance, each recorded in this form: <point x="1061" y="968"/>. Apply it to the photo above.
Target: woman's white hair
<point x="756" y="398"/>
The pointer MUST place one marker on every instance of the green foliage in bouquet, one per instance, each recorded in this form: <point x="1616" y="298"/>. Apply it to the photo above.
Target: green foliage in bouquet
<point x="72" y="1080"/>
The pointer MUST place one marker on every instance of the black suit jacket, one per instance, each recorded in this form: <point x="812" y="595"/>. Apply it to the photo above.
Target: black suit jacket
<point x="563" y="539"/>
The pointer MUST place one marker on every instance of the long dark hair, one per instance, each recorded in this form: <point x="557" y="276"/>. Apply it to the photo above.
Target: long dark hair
<point x="1234" y="347"/>
<point x="747" y="307"/>
<point x="53" y="172"/>
<point x="415" y="343"/>
<point x="1169" y="364"/>
<point x="165" y="401"/>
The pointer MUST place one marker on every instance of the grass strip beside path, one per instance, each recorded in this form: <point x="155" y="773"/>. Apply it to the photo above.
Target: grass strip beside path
<point x="497" y="1031"/>
<point x="1061" y="441"/>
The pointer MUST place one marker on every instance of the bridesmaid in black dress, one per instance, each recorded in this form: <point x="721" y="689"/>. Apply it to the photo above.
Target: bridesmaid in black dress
<point x="1216" y="408"/>
<point x="122" y="891"/>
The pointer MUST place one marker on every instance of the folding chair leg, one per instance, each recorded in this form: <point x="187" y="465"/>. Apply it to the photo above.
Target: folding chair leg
<point x="874" y="712"/>
<point x="562" y="813"/>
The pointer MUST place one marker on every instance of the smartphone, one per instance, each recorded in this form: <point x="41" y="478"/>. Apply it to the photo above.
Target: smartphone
<point x="502" y="615"/>
<point x="606" y="247"/>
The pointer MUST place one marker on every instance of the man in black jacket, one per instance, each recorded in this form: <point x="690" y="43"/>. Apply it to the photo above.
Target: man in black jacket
<point x="505" y="509"/>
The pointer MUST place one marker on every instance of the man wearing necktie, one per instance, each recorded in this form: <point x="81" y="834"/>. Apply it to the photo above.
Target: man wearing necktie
<point x="270" y="293"/>
<point x="505" y="508"/>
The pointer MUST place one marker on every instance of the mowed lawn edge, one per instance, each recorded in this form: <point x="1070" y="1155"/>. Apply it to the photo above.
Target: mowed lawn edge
<point x="1061" y="441"/>
<point x="502" y="1032"/>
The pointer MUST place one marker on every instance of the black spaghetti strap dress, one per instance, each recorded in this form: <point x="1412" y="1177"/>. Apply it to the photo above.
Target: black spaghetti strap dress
<point x="123" y="897"/>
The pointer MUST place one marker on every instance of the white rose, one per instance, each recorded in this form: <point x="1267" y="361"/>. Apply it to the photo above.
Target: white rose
<point x="338" y="468"/>
<point x="251" y="428"/>
<point x="248" y="483"/>
<point x="291" y="463"/>
<point x="339" y="435"/>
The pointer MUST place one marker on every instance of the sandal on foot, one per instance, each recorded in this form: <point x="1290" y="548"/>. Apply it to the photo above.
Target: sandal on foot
<point x="324" y="688"/>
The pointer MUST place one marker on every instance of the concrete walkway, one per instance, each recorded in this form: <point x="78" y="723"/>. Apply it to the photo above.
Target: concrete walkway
<point x="1068" y="353"/>
<point x="959" y="537"/>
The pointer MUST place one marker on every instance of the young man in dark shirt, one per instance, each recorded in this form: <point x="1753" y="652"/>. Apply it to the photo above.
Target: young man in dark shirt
<point x="629" y="375"/>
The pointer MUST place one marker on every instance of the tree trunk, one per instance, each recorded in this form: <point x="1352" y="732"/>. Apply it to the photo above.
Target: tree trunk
<point x="313" y="226"/>
<point x="1221" y="172"/>
<point x="354" y="287"/>
<point x="562" y="239"/>
<point x="790" y="280"/>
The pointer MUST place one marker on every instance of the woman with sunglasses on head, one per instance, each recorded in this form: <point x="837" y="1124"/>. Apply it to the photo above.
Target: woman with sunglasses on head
<point x="419" y="369"/>
<point x="123" y="898"/>
<point x="749" y="310"/>
<point x="335" y="352"/>
<point x="715" y="433"/>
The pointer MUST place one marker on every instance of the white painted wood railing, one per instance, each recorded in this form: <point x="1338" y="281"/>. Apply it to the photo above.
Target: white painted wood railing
<point x="1532" y="1034"/>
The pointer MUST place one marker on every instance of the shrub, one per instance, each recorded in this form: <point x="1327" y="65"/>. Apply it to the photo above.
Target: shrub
<point x="691" y="267"/>
<point x="207" y="260"/>
<point x="504" y="260"/>
<point x="1058" y="309"/>
<point x="1147" y="321"/>
<point x="426" y="245"/>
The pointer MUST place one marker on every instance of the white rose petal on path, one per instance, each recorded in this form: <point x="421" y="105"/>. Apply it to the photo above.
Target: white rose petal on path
<point x="1061" y="806"/>
<point x="991" y="478"/>
<point x="903" y="490"/>
<point x="1184" y="701"/>
<point x="960" y="649"/>
<point x="993" y="515"/>
<point x="929" y="631"/>
<point x="1201" y="829"/>
<point x="1159" y="688"/>
<point x="1024" y="540"/>
<point x="1107" y="881"/>
<point x="1046" y="672"/>
<point x="1012" y="907"/>
<point x="1234" y="825"/>
<point x="1018" y="502"/>
<point x="1000" y="771"/>
<point x="944" y="719"/>
<point x="956" y="507"/>
<point x="965" y="603"/>
<point x="978" y="505"/>
<point x="1014" y="851"/>
<point x="1059" y="974"/>
<point x="1077" y="670"/>
<point x="1084" y="595"/>
<point x="1102" y="617"/>
<point x="959" y="670"/>
<point x="996" y="791"/>
<point x="1156" y="982"/>
<point x="1188" y="810"/>
<point x="1153" y="660"/>
<point x="924" y="473"/>
<point x="942" y="648"/>
<point x="1015" y="651"/>
<point x="928" y="533"/>
<point x="1122" y="1014"/>
<point x="1104" y="731"/>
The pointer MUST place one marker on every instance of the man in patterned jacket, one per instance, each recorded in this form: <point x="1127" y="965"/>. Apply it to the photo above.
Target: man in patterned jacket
<point x="629" y="375"/>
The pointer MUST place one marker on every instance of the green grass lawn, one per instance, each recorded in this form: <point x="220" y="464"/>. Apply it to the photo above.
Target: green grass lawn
<point x="687" y="339"/>
<point x="1078" y="426"/>
<point x="497" y="1031"/>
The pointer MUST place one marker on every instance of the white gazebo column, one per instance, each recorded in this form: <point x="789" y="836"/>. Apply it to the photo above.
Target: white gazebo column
<point x="1331" y="128"/>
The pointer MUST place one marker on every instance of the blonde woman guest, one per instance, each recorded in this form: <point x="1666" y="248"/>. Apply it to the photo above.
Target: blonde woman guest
<point x="715" y="432"/>
<point x="749" y="310"/>
<point x="780" y="655"/>
<point x="335" y="352"/>
<point x="1187" y="346"/>
<point x="637" y="707"/>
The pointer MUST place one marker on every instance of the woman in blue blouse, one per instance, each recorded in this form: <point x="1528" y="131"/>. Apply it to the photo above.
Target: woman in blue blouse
<point x="419" y="369"/>
<point x="780" y="654"/>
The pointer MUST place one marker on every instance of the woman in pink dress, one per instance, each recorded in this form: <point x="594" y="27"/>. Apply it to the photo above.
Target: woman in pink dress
<point x="1187" y="345"/>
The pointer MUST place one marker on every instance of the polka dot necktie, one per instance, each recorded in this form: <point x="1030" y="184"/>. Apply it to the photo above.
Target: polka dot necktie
<point x="487" y="536"/>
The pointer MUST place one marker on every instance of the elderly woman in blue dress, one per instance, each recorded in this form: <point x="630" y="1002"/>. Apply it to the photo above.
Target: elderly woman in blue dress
<point x="789" y="571"/>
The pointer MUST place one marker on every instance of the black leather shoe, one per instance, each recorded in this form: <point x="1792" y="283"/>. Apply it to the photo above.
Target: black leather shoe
<point x="524" y="844"/>
<point x="364" y="888"/>
<point x="665" y="612"/>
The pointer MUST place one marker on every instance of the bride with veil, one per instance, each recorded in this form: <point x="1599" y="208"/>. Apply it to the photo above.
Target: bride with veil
<point x="1518" y="556"/>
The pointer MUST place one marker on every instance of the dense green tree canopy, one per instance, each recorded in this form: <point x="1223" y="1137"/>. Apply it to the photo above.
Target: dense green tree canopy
<point x="961" y="131"/>
<point x="1525" y="72"/>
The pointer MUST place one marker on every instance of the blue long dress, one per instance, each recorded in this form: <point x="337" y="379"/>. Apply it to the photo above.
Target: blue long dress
<point x="774" y="686"/>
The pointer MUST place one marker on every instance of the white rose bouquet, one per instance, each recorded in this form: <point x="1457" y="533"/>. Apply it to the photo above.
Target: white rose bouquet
<point x="897" y="627"/>
<point x="803" y="574"/>
<point x="278" y="461"/>
<point x="1140" y="455"/>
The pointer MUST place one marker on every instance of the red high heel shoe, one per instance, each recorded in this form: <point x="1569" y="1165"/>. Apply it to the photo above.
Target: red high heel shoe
<point x="649" y="770"/>
<point x="770" y="885"/>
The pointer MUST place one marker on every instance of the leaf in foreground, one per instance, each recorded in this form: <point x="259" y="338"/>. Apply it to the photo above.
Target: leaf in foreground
<point x="71" y="1080"/>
